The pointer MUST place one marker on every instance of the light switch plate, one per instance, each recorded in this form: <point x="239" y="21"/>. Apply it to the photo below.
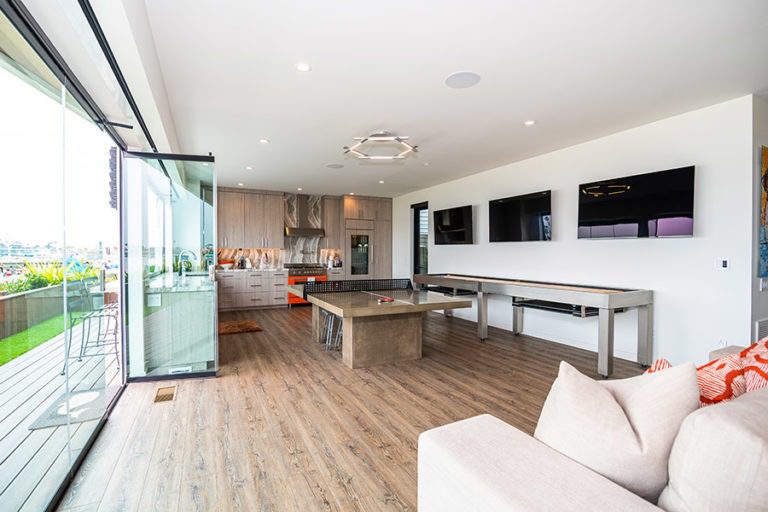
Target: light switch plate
<point x="722" y="264"/>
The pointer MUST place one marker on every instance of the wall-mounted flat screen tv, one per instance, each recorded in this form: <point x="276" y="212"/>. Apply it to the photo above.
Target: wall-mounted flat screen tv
<point x="453" y="226"/>
<point x="656" y="205"/>
<point x="521" y="218"/>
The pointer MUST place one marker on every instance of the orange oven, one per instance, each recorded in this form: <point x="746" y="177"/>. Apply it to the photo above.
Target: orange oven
<point x="295" y="299"/>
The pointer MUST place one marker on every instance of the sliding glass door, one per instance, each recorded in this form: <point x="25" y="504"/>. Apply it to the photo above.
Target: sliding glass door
<point x="169" y="249"/>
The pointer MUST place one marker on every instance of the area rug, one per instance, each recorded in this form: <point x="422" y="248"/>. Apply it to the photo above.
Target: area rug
<point x="83" y="406"/>
<point x="238" y="326"/>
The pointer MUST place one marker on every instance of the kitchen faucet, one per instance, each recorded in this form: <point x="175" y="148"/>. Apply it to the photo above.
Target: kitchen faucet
<point x="182" y="267"/>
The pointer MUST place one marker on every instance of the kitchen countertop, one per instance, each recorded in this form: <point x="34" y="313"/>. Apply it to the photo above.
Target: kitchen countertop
<point x="252" y="270"/>
<point x="173" y="283"/>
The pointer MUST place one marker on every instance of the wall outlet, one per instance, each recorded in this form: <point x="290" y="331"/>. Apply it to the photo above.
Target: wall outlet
<point x="722" y="264"/>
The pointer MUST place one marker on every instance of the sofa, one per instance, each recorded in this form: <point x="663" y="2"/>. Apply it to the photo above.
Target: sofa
<point x="718" y="461"/>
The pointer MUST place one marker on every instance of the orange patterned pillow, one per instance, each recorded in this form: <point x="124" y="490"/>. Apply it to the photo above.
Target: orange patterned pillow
<point x="755" y="362"/>
<point x="730" y="376"/>
<point x="721" y="379"/>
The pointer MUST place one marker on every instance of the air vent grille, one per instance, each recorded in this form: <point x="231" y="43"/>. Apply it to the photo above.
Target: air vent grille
<point x="761" y="328"/>
<point x="165" y="394"/>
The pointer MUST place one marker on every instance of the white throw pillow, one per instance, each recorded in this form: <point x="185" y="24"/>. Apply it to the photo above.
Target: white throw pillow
<point x="720" y="458"/>
<point x="622" y="429"/>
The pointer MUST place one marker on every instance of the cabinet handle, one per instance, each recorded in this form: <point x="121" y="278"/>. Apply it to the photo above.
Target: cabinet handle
<point x="255" y="286"/>
<point x="279" y="284"/>
<point x="255" y="300"/>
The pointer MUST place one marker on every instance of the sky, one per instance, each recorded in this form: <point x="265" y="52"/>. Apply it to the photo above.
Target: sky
<point x="34" y="171"/>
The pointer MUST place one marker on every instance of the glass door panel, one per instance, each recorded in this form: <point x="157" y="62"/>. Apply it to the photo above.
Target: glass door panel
<point x="169" y="243"/>
<point x="360" y="252"/>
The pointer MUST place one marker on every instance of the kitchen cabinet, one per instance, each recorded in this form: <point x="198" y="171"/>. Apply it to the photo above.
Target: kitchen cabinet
<point x="382" y="252"/>
<point x="229" y="219"/>
<point x="251" y="289"/>
<point x="367" y="208"/>
<point x="332" y="223"/>
<point x="250" y="219"/>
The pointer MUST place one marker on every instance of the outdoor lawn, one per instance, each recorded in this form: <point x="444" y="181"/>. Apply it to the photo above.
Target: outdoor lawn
<point x="24" y="341"/>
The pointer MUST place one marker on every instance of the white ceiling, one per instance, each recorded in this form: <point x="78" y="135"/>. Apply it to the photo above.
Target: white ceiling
<point x="580" y="69"/>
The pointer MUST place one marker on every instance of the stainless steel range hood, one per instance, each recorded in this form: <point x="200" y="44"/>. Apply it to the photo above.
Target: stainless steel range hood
<point x="303" y="215"/>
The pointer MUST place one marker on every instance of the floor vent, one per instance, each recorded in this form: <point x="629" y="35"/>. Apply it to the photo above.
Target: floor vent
<point x="165" y="394"/>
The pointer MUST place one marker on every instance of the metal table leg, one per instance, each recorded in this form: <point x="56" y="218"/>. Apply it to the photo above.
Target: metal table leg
<point x="605" y="342"/>
<point x="482" y="315"/>
<point x="645" y="335"/>
<point x="517" y="318"/>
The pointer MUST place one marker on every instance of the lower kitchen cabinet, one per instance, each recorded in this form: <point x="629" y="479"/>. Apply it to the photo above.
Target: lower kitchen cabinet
<point x="252" y="289"/>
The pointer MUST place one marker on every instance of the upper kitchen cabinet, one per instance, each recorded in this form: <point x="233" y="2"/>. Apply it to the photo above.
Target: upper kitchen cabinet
<point x="367" y="208"/>
<point x="332" y="223"/>
<point x="250" y="219"/>
<point x="229" y="221"/>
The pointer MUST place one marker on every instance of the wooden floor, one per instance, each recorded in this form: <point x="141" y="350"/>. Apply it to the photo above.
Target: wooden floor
<point x="287" y="427"/>
<point x="33" y="463"/>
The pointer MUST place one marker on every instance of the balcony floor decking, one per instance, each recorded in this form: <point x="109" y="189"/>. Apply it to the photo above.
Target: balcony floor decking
<point x="34" y="462"/>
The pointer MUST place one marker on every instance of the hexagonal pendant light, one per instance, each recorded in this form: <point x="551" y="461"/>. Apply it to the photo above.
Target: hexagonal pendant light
<point x="379" y="137"/>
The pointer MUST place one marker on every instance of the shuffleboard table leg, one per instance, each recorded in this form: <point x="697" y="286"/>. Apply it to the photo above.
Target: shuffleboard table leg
<point x="645" y="335"/>
<point x="517" y="318"/>
<point x="605" y="342"/>
<point x="482" y="316"/>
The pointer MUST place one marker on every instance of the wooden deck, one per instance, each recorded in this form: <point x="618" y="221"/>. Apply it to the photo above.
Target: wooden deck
<point x="33" y="463"/>
<point x="287" y="427"/>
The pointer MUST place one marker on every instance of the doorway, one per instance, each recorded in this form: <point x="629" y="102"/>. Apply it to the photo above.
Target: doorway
<point x="420" y="230"/>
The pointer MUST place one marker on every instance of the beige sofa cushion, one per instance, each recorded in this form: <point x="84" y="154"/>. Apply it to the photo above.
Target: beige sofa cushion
<point x="482" y="464"/>
<point x="622" y="429"/>
<point x="720" y="458"/>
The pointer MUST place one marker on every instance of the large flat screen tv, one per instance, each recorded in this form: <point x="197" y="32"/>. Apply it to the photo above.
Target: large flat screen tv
<point x="657" y="205"/>
<point x="521" y="218"/>
<point x="453" y="226"/>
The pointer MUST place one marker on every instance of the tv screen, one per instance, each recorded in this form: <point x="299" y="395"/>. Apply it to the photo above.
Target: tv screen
<point x="657" y="204"/>
<point x="453" y="226"/>
<point x="521" y="218"/>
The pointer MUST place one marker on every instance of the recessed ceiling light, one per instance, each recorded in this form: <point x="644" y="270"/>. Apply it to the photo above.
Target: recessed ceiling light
<point x="239" y="184"/>
<point x="303" y="67"/>
<point x="248" y="168"/>
<point x="462" y="79"/>
<point x="299" y="189"/>
<point x="530" y="122"/>
<point x="264" y="141"/>
<point x="334" y="166"/>
<point x="426" y="164"/>
<point x="351" y="193"/>
<point x="381" y="182"/>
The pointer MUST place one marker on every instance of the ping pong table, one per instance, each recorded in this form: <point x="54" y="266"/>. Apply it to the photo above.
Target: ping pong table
<point x="376" y="330"/>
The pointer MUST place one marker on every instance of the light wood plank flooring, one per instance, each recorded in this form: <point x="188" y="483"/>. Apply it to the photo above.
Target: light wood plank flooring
<point x="287" y="427"/>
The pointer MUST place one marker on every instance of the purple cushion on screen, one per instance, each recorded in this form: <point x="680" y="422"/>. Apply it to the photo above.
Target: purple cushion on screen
<point x="675" y="226"/>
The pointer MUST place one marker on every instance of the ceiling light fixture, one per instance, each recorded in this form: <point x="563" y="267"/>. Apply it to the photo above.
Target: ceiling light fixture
<point x="239" y="184"/>
<point x="380" y="137"/>
<point x="462" y="80"/>
<point x="351" y="193"/>
<point x="264" y="141"/>
<point x="299" y="189"/>
<point x="248" y="168"/>
<point x="530" y="122"/>
<point x="381" y="182"/>
<point x="426" y="164"/>
<point x="303" y="67"/>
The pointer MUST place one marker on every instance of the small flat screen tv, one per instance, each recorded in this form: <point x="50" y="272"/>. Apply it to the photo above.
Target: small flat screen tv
<point x="521" y="218"/>
<point x="453" y="226"/>
<point x="655" y="205"/>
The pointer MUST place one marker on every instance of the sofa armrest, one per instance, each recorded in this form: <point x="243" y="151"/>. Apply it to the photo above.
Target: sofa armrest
<point x="484" y="464"/>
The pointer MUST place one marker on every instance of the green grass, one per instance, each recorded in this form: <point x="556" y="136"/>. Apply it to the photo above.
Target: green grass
<point x="24" y="341"/>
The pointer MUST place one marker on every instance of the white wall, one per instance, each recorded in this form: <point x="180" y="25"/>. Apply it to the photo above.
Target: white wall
<point x="696" y="306"/>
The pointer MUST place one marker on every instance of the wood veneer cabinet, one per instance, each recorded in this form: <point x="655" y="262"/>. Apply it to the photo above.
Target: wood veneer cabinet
<point x="370" y="216"/>
<point x="249" y="219"/>
<point x="333" y="223"/>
